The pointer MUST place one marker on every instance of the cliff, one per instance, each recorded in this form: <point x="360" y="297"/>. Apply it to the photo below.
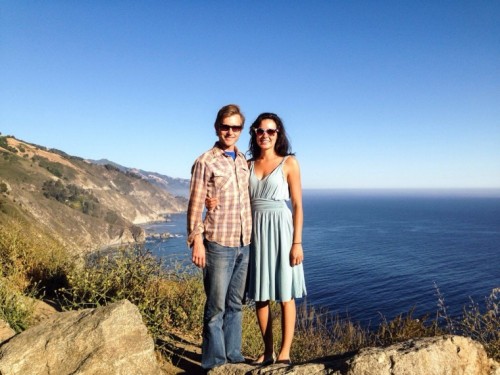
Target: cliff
<point x="83" y="205"/>
<point x="174" y="185"/>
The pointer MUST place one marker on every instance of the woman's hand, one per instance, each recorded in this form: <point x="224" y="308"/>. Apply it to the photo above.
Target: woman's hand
<point x="296" y="254"/>
<point x="211" y="203"/>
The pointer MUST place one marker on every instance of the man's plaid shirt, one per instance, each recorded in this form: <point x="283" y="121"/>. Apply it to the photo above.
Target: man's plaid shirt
<point x="215" y="174"/>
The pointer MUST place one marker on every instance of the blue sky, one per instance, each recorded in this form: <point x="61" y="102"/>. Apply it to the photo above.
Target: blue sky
<point x="374" y="94"/>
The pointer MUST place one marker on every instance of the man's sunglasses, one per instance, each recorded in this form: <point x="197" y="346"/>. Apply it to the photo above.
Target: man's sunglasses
<point x="270" y="132"/>
<point x="234" y="128"/>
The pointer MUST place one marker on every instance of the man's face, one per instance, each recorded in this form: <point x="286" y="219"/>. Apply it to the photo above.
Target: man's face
<point x="229" y="132"/>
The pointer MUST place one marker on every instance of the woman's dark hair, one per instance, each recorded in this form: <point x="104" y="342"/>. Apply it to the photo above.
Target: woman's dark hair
<point x="282" y="146"/>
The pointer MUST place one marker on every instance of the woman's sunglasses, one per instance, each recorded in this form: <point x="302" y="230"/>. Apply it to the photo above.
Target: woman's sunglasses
<point x="269" y="132"/>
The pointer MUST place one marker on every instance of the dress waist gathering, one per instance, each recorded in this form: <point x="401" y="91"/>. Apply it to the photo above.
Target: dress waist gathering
<point x="259" y="204"/>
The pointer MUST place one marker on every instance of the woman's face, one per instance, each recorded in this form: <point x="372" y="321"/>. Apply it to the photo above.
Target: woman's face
<point x="266" y="134"/>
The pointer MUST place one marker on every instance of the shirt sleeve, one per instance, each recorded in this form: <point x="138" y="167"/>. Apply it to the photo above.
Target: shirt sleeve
<point x="198" y="193"/>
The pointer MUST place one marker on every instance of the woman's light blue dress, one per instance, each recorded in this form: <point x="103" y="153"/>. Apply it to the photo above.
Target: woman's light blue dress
<point x="271" y="276"/>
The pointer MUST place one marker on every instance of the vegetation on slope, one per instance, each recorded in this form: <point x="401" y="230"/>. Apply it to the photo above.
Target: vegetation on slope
<point x="84" y="205"/>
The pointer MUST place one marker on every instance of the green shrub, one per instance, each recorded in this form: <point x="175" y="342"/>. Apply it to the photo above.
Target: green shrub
<point x="15" y="307"/>
<point x="59" y="152"/>
<point x="52" y="167"/>
<point x="133" y="175"/>
<point x="167" y="301"/>
<point x="4" y="144"/>
<point x="112" y="217"/>
<point x="55" y="190"/>
<point x="111" y="167"/>
<point x="73" y="196"/>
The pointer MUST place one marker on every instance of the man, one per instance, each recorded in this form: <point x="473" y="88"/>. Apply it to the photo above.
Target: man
<point x="220" y="241"/>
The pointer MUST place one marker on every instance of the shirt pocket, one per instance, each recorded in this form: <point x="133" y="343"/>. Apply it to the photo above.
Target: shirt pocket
<point x="243" y="175"/>
<point x="222" y="180"/>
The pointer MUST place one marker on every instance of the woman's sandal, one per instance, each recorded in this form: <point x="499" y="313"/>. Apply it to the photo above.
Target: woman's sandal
<point x="283" y="362"/>
<point x="265" y="361"/>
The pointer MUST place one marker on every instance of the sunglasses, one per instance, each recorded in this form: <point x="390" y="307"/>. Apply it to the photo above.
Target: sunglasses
<point x="234" y="128"/>
<point x="269" y="132"/>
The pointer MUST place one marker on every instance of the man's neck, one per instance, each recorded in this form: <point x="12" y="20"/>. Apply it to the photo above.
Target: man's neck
<point x="229" y="149"/>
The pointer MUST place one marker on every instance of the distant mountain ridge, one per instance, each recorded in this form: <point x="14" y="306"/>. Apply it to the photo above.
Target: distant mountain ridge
<point x="83" y="205"/>
<point x="175" y="186"/>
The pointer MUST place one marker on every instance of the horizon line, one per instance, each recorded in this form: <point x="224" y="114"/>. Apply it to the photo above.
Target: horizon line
<point x="431" y="191"/>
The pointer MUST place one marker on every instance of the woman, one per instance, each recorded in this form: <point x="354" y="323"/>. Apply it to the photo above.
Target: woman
<point x="276" y="253"/>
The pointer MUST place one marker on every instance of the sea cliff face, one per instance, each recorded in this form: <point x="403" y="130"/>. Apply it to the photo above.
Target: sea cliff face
<point x="85" y="206"/>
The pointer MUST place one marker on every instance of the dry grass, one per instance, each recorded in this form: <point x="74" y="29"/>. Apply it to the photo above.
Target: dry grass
<point x="479" y="323"/>
<point x="404" y="327"/>
<point x="172" y="301"/>
<point x="319" y="333"/>
<point x="15" y="307"/>
<point x="29" y="258"/>
<point x="29" y="264"/>
<point x="168" y="301"/>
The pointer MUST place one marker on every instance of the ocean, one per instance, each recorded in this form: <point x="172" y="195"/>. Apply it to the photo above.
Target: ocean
<point x="373" y="255"/>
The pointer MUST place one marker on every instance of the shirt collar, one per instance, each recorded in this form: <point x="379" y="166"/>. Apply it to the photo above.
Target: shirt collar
<point x="219" y="151"/>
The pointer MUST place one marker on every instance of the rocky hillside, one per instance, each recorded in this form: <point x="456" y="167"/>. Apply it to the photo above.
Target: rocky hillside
<point x="176" y="186"/>
<point x="83" y="205"/>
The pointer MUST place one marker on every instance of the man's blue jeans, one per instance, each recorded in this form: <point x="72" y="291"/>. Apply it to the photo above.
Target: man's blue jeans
<point x="224" y="278"/>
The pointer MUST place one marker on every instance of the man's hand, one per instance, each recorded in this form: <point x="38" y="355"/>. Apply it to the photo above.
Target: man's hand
<point x="198" y="252"/>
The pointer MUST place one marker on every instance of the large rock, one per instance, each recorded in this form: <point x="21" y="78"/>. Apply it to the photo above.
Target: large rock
<point x="106" y="340"/>
<point x="42" y="311"/>
<point x="449" y="355"/>
<point x="5" y="331"/>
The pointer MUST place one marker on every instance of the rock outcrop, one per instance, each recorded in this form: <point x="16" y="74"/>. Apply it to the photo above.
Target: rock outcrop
<point x="6" y="332"/>
<point x="113" y="340"/>
<point x="107" y="340"/>
<point x="448" y="355"/>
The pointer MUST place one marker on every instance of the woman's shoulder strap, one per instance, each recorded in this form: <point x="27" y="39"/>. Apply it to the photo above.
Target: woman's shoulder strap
<point x="284" y="159"/>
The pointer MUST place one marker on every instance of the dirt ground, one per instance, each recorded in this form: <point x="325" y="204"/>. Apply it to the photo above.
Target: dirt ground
<point x="185" y="357"/>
